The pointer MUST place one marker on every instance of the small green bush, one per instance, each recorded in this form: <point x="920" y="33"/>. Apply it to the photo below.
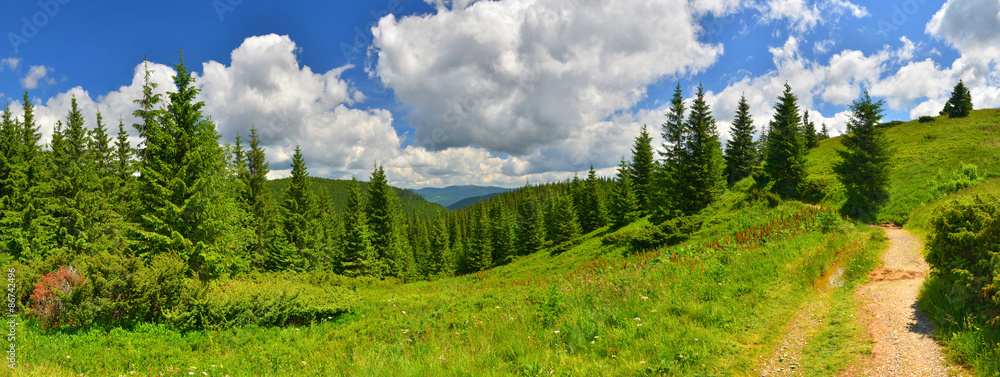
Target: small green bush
<point x="925" y="119"/>
<point x="967" y="175"/>
<point x="618" y="237"/>
<point x="812" y="191"/>
<point x="757" y="194"/>
<point x="962" y="250"/>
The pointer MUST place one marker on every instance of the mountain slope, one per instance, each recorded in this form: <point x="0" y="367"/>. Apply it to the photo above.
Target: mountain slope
<point x="447" y="196"/>
<point x="336" y="191"/>
<point x="471" y="200"/>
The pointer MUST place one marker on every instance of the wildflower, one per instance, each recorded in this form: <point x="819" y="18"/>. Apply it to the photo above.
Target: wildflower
<point x="67" y="356"/>
<point x="497" y="307"/>
<point x="642" y="362"/>
<point x="557" y="331"/>
<point x="191" y="373"/>
<point x="639" y="325"/>
<point x="204" y="373"/>
<point x="404" y="312"/>
<point x="304" y="363"/>
<point x="636" y="319"/>
<point x="591" y="342"/>
<point x="131" y="372"/>
<point x="645" y="298"/>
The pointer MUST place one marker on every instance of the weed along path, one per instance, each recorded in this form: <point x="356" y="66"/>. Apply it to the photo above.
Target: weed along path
<point x="901" y="332"/>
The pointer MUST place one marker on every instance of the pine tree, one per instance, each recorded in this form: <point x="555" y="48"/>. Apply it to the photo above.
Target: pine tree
<point x="865" y="165"/>
<point x="502" y="233"/>
<point x="960" y="103"/>
<point x="567" y="227"/>
<point x="703" y="179"/>
<point x="591" y="207"/>
<point x="672" y="178"/>
<point x="256" y="195"/>
<point x="531" y="226"/>
<point x="359" y="257"/>
<point x="623" y="205"/>
<point x="823" y="133"/>
<point x="101" y="147"/>
<point x="785" y="160"/>
<point x="811" y="138"/>
<point x="439" y="260"/>
<point x="741" y="153"/>
<point x="299" y="218"/>
<point x="76" y="188"/>
<point x="383" y="211"/>
<point x="185" y="203"/>
<point x="642" y="169"/>
<point x="480" y="251"/>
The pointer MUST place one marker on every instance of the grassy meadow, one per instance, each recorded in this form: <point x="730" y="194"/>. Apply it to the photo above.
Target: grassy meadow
<point x="716" y="304"/>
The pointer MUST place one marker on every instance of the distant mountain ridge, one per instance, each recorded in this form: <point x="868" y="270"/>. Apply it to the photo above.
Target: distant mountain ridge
<point x="447" y="196"/>
<point x="471" y="200"/>
<point x="336" y="190"/>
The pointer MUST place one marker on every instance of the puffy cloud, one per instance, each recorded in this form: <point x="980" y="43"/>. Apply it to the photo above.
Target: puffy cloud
<point x="803" y="16"/>
<point x="37" y="74"/>
<point x="519" y="76"/>
<point x="11" y="63"/>
<point x="970" y="26"/>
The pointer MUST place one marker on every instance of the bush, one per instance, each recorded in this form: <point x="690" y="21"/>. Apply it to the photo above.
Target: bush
<point x="617" y="237"/>
<point x="965" y="176"/>
<point x="961" y="250"/>
<point x="757" y="194"/>
<point x="925" y="119"/>
<point x="51" y="300"/>
<point x="890" y="124"/>
<point x="668" y="233"/>
<point x="811" y="191"/>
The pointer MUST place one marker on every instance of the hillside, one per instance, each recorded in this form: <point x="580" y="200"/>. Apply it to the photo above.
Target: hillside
<point x="447" y="196"/>
<point x="471" y="200"/>
<point x="722" y="300"/>
<point x="336" y="190"/>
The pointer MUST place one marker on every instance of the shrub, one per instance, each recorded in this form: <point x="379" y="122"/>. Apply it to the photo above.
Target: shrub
<point x="925" y="119"/>
<point x="967" y="175"/>
<point x="617" y="237"/>
<point x="811" y="191"/>
<point x="961" y="250"/>
<point x="668" y="233"/>
<point x="757" y="194"/>
<point x="52" y="297"/>
<point x="890" y="124"/>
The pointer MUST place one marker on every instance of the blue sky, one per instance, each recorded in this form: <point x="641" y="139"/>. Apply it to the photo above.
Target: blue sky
<point x="492" y="92"/>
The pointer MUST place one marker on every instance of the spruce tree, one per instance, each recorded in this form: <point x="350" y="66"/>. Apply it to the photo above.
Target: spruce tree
<point x="359" y="257"/>
<point x="101" y="147"/>
<point x="480" y="249"/>
<point x="257" y="197"/>
<point x="865" y="164"/>
<point x="502" y="233"/>
<point x="741" y="152"/>
<point x="567" y="227"/>
<point x="642" y="169"/>
<point x="531" y="226"/>
<point x="703" y="166"/>
<point x="623" y="205"/>
<point x="591" y="206"/>
<point x="383" y="212"/>
<point x="960" y="103"/>
<point x="299" y="218"/>
<point x="823" y="133"/>
<point x="76" y="188"/>
<point x="439" y="258"/>
<point x="785" y="160"/>
<point x="809" y="131"/>
<point x="186" y="206"/>
<point x="674" y="133"/>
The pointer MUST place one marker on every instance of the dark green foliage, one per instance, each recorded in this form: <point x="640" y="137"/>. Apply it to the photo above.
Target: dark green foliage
<point x="967" y="175"/>
<point x="668" y="233"/>
<point x="439" y="260"/>
<point x="823" y="133"/>
<point x="701" y="172"/>
<point x="757" y="194"/>
<point x="184" y="206"/>
<point x="299" y="221"/>
<point x="865" y="164"/>
<point x="960" y="103"/>
<point x="501" y="233"/>
<point x="383" y="217"/>
<point x="962" y="251"/>
<point x="669" y="181"/>
<point x="809" y="131"/>
<point x="925" y="119"/>
<point x="336" y="190"/>
<point x="623" y="205"/>
<point x="358" y="256"/>
<point x="257" y="197"/>
<point x="480" y="247"/>
<point x="531" y="225"/>
<point x="641" y="169"/>
<point x="566" y="226"/>
<point x="785" y="158"/>
<point x="741" y="152"/>
<point x="591" y="206"/>
<point x="813" y="190"/>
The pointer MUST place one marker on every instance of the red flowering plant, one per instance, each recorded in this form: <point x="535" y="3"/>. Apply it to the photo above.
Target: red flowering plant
<point x="51" y="297"/>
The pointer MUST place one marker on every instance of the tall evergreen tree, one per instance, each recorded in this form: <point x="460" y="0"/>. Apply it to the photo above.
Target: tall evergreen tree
<point x="257" y="197"/>
<point x="960" y="103"/>
<point x="741" y="153"/>
<point x="865" y="165"/>
<point x="623" y="205"/>
<point x="299" y="218"/>
<point x="672" y="180"/>
<point x="642" y="169"/>
<point x="703" y="167"/>
<point x="383" y="211"/>
<point x="76" y="188"/>
<point x="502" y="233"/>
<point x="185" y="205"/>
<point x="592" y="208"/>
<point x="439" y="258"/>
<point x="480" y="248"/>
<point x="809" y="131"/>
<point x="359" y="257"/>
<point x="567" y="226"/>
<point x="531" y="226"/>
<point x="785" y="160"/>
<point x="101" y="147"/>
<point x="823" y="133"/>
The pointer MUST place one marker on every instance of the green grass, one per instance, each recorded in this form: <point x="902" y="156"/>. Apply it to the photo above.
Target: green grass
<point x="593" y="310"/>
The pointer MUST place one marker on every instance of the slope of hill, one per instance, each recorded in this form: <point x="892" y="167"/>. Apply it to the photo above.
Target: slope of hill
<point x="471" y="200"/>
<point x="447" y="196"/>
<point x="336" y="191"/>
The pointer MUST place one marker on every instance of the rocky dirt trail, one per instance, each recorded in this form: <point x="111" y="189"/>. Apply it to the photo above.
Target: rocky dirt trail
<point x="888" y="304"/>
<point x="901" y="332"/>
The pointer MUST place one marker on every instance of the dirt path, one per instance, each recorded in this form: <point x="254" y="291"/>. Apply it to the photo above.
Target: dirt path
<point x="901" y="332"/>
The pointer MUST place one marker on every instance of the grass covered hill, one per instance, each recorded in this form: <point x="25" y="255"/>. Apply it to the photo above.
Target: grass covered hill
<point x="336" y="189"/>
